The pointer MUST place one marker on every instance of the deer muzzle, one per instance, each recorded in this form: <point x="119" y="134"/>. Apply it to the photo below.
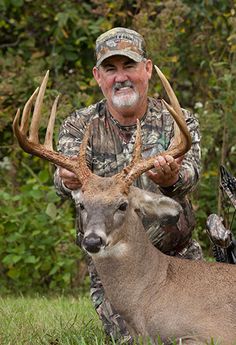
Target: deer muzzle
<point x="92" y="243"/>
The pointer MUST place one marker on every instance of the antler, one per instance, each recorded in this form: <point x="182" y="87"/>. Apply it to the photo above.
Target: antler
<point x="179" y="146"/>
<point x="32" y="145"/>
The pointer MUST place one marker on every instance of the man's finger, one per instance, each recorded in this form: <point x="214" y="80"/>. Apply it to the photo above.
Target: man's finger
<point x="179" y="160"/>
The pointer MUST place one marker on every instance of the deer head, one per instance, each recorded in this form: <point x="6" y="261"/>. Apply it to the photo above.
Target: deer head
<point x="104" y="203"/>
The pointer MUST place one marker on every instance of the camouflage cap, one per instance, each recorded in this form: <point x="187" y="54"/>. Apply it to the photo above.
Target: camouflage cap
<point x="120" y="41"/>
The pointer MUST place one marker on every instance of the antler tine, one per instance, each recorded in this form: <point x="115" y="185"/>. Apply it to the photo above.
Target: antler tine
<point x="173" y="99"/>
<point x="34" y="127"/>
<point x="48" y="143"/>
<point x="182" y="139"/>
<point x="26" y="112"/>
<point x="84" y="171"/>
<point x="181" y="133"/>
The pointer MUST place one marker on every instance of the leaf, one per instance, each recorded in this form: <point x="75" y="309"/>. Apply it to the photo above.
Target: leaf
<point x="66" y="277"/>
<point x="71" y="56"/>
<point x="13" y="273"/>
<point x="31" y="259"/>
<point x="13" y="237"/>
<point x="51" y="210"/>
<point x="54" y="270"/>
<point x="44" y="176"/>
<point x="62" y="19"/>
<point x="11" y="259"/>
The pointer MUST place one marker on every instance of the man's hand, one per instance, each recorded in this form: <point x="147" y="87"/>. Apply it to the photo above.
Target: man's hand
<point x="167" y="171"/>
<point x="69" y="179"/>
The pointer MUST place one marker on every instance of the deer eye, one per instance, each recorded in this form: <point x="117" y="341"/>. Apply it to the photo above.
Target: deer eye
<point x="123" y="206"/>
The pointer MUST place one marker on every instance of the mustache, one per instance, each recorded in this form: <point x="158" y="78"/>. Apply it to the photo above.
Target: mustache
<point x="117" y="86"/>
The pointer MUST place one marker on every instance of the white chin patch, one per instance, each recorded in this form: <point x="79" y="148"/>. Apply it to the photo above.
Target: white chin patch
<point x="76" y="194"/>
<point x="118" y="250"/>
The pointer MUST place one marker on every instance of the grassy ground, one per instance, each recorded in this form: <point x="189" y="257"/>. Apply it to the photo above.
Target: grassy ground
<point x="51" y="321"/>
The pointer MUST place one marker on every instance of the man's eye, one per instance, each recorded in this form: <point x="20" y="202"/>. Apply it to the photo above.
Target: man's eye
<point x="130" y="65"/>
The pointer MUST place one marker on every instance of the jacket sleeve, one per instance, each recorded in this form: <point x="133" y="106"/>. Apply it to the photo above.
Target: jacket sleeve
<point x="70" y="137"/>
<point x="190" y="167"/>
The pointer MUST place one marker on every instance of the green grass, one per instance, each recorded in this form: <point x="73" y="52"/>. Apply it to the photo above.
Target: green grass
<point x="49" y="320"/>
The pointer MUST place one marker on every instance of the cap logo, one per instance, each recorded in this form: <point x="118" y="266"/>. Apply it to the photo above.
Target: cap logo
<point x="111" y="43"/>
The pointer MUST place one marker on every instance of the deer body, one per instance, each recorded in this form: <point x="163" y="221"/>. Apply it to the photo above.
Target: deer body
<point x="157" y="295"/>
<point x="154" y="293"/>
<point x="173" y="308"/>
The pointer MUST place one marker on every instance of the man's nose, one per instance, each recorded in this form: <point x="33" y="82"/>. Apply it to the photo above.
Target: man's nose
<point x="121" y="76"/>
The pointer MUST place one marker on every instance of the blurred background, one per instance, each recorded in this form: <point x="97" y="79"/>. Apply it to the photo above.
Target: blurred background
<point x="192" y="41"/>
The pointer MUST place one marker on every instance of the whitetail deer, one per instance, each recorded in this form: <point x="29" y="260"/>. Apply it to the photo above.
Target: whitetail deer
<point x="157" y="295"/>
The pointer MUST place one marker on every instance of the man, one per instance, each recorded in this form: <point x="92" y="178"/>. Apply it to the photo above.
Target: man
<point x="123" y="72"/>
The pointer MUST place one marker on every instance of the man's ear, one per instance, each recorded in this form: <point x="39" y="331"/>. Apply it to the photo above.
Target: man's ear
<point x="150" y="205"/>
<point x="96" y="74"/>
<point x="149" y="68"/>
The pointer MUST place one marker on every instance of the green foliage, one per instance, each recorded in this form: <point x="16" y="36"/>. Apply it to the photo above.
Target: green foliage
<point x="37" y="242"/>
<point x="193" y="42"/>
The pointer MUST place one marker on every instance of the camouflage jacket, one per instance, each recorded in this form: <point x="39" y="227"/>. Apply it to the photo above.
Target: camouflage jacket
<point x="110" y="149"/>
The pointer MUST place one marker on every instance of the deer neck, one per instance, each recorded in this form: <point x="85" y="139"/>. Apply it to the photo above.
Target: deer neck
<point x="129" y="264"/>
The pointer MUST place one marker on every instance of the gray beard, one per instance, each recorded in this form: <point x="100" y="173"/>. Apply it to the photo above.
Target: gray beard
<point x="125" y="101"/>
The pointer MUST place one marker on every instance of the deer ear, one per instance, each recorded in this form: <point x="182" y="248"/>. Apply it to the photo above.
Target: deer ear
<point x="150" y="205"/>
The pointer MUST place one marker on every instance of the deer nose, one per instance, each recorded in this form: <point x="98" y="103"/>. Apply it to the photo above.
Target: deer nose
<point x="92" y="243"/>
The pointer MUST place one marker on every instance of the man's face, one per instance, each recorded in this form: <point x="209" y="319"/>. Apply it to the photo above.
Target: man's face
<point x="124" y="82"/>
